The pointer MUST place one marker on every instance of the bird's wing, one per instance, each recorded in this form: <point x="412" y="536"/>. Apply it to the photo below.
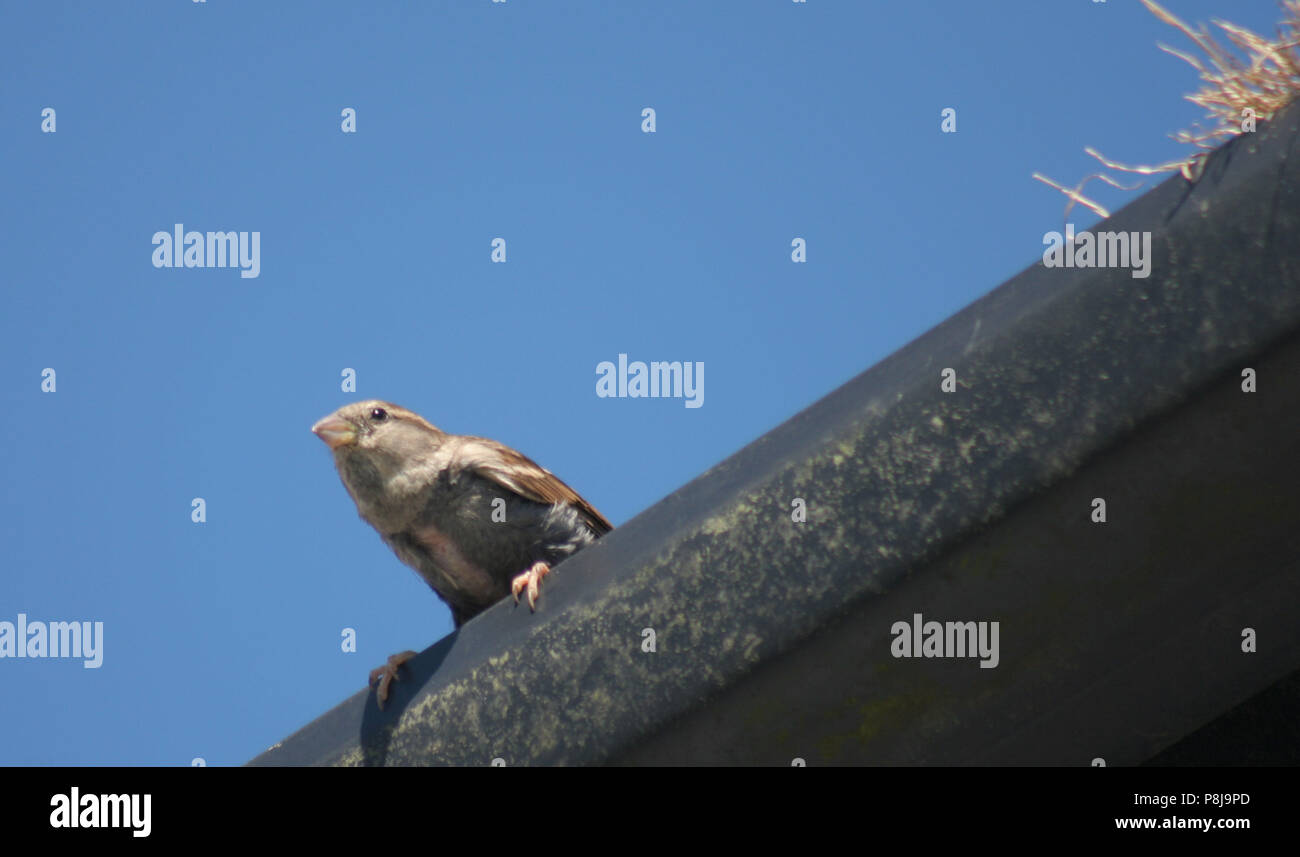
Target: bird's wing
<point x="518" y="473"/>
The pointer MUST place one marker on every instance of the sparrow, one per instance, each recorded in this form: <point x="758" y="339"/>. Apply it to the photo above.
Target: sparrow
<point x="476" y="519"/>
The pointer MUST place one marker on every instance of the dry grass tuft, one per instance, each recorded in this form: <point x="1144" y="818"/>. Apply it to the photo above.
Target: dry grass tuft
<point x="1267" y="80"/>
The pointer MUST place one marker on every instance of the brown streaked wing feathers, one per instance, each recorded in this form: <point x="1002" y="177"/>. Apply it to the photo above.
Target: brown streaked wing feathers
<point x="520" y="474"/>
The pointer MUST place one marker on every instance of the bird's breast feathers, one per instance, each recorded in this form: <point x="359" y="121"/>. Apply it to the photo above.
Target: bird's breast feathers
<point x="441" y="563"/>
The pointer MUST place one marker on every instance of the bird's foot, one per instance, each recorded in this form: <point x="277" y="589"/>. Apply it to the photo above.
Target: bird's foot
<point x="530" y="580"/>
<point x="385" y="675"/>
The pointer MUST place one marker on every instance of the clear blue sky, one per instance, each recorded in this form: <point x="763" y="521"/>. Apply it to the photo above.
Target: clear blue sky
<point x="475" y="120"/>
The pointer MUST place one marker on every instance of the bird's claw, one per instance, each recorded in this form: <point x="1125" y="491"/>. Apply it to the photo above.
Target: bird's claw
<point x="385" y="675"/>
<point x="530" y="580"/>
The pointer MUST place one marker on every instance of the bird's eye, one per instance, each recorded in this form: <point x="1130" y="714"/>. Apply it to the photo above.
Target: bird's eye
<point x="378" y="414"/>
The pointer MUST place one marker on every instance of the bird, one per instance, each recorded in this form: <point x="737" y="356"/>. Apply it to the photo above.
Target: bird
<point x="474" y="518"/>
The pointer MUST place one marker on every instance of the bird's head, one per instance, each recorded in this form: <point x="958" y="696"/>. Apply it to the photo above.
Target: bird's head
<point x="385" y="455"/>
<point x="386" y="436"/>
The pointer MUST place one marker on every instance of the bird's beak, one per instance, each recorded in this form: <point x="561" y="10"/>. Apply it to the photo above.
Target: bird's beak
<point x="335" y="431"/>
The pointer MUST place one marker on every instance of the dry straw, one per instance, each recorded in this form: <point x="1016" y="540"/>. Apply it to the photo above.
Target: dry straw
<point x="1263" y="83"/>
